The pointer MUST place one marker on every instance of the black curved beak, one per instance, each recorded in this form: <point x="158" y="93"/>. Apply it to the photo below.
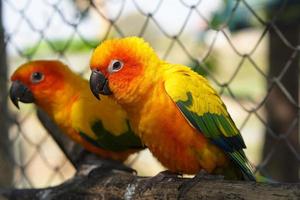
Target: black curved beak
<point x="99" y="84"/>
<point x="19" y="92"/>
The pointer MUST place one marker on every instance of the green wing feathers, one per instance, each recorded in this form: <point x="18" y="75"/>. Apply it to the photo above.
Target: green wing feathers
<point x="103" y="123"/>
<point x="106" y="140"/>
<point x="205" y="111"/>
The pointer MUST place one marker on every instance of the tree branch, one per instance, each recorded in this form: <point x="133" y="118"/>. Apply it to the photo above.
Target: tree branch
<point x="105" y="179"/>
<point x="74" y="152"/>
<point x="102" y="183"/>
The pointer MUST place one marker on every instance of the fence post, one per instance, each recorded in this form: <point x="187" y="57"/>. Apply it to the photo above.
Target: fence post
<point x="283" y="165"/>
<point x="6" y="166"/>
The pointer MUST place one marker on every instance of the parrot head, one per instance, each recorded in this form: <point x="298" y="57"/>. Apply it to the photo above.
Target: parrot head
<point x="118" y="66"/>
<point x="36" y="81"/>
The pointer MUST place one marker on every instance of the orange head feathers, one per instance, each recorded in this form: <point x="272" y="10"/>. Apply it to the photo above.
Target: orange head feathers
<point x="36" y="82"/>
<point x="121" y="64"/>
<point x="66" y="98"/>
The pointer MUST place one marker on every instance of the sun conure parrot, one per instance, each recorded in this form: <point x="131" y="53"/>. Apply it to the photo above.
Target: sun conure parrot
<point x="100" y="127"/>
<point x="174" y="110"/>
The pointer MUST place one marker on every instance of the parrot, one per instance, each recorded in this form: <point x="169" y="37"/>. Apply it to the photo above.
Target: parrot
<point x="175" y="111"/>
<point x="66" y="97"/>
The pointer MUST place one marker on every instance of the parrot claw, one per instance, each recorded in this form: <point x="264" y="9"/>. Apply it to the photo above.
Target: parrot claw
<point x="110" y="165"/>
<point x="107" y="169"/>
<point x="116" y="166"/>
<point x="202" y="175"/>
<point x="88" y="162"/>
<point x="155" y="179"/>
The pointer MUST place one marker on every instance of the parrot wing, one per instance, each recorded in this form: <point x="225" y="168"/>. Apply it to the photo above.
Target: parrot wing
<point x="106" y="140"/>
<point x="108" y="128"/>
<point x="205" y="111"/>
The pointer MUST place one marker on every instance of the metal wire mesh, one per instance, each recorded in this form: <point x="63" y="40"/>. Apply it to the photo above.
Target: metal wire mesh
<point x="180" y="31"/>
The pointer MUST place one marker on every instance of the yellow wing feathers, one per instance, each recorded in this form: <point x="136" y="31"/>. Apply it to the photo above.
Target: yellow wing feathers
<point x="107" y="111"/>
<point x="181" y="81"/>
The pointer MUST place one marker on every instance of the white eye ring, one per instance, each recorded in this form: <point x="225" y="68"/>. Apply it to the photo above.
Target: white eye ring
<point x="115" y="65"/>
<point x="37" y="77"/>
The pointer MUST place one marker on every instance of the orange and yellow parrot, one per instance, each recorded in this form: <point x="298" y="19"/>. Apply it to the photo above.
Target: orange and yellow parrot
<point x="67" y="99"/>
<point x="174" y="110"/>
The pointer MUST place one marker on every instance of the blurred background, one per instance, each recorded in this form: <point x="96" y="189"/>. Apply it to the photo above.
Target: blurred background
<point x="248" y="49"/>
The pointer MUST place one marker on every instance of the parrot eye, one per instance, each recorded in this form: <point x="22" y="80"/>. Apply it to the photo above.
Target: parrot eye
<point x="115" y="65"/>
<point x="37" y="77"/>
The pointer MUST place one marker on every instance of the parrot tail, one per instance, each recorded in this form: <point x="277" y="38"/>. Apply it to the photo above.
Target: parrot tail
<point x="233" y="172"/>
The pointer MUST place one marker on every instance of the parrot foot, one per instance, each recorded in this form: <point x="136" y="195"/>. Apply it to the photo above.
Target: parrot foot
<point x="187" y="185"/>
<point x="156" y="179"/>
<point x="90" y="162"/>
<point x="110" y="165"/>
<point x="105" y="169"/>
<point x="120" y="166"/>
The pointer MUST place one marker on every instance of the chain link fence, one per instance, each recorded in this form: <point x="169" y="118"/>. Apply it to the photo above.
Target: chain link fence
<point x="249" y="49"/>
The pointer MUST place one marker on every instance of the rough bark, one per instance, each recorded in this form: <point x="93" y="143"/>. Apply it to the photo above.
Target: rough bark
<point x="6" y="166"/>
<point x="102" y="183"/>
<point x="104" y="179"/>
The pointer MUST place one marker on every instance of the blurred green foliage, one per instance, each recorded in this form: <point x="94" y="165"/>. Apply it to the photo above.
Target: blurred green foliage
<point x="75" y="45"/>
